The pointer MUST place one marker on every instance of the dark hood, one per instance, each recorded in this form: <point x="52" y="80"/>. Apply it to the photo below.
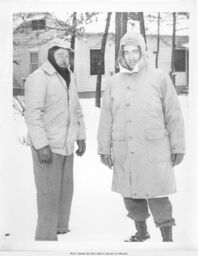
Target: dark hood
<point x="64" y="72"/>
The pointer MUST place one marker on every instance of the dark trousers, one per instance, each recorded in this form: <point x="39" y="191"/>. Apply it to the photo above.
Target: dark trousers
<point x="160" y="207"/>
<point x="54" y="185"/>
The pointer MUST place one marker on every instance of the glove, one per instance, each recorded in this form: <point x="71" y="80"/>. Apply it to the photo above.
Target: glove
<point x="81" y="147"/>
<point x="45" y="155"/>
<point x="176" y="158"/>
<point x="107" y="160"/>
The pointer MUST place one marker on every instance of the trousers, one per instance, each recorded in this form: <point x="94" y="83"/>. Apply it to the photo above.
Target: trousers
<point x="160" y="207"/>
<point x="54" y="186"/>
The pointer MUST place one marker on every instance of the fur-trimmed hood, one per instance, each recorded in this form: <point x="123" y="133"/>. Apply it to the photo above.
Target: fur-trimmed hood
<point x="132" y="38"/>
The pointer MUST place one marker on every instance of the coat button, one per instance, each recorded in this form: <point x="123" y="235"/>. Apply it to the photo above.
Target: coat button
<point x="128" y="105"/>
<point x="128" y="87"/>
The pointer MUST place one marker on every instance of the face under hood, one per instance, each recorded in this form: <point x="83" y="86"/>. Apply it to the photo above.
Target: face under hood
<point x="132" y="38"/>
<point x="64" y="72"/>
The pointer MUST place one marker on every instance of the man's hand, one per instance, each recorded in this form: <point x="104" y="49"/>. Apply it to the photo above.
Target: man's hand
<point x="81" y="147"/>
<point x="107" y="160"/>
<point x="45" y="155"/>
<point x="176" y="158"/>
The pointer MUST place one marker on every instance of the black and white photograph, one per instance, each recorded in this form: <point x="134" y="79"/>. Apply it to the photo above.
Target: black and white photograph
<point x="99" y="127"/>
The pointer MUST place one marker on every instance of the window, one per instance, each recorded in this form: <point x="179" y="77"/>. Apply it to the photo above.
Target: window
<point x="180" y="60"/>
<point x="38" y="24"/>
<point x="94" y="59"/>
<point x="33" y="61"/>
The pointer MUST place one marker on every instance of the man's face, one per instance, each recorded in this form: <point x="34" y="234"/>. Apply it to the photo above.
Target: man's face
<point x="61" y="57"/>
<point x="132" y="55"/>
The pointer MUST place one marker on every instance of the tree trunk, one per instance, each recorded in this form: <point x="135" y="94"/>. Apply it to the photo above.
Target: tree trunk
<point x="118" y="31"/>
<point x="124" y="18"/>
<point x="158" y="40"/>
<point x="101" y="60"/>
<point x="142" y="26"/>
<point x="172" y="72"/>
<point x="74" y="23"/>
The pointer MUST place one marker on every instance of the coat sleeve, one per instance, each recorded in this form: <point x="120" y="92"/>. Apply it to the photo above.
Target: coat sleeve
<point x="81" y="134"/>
<point x="35" y="92"/>
<point x="173" y="116"/>
<point x="104" y="135"/>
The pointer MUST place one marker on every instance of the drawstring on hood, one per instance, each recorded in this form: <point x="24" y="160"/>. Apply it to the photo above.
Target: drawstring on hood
<point x="136" y="39"/>
<point x="64" y="72"/>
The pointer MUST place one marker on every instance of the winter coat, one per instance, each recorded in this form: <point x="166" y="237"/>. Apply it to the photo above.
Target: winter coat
<point x="141" y="124"/>
<point x="52" y="112"/>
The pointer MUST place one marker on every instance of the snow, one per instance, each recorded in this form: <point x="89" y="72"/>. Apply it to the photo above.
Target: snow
<point x="98" y="216"/>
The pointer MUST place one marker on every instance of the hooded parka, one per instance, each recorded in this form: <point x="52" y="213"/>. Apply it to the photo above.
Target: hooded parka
<point x="141" y="125"/>
<point x="52" y="111"/>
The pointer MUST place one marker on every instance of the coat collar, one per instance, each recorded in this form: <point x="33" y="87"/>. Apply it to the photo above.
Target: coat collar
<point x="47" y="67"/>
<point x="125" y="70"/>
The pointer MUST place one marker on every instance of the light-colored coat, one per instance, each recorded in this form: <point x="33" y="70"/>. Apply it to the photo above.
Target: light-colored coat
<point x="52" y="112"/>
<point x="141" y="124"/>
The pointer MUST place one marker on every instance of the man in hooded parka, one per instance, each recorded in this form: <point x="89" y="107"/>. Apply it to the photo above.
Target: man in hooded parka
<point x="141" y="134"/>
<point x="55" y="121"/>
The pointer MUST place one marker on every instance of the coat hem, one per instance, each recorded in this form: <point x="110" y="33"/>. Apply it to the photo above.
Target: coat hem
<point x="143" y="197"/>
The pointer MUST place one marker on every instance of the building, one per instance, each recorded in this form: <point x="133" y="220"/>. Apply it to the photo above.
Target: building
<point x="30" y="51"/>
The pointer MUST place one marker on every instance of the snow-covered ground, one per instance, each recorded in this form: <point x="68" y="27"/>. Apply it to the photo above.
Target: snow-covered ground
<point x="98" y="215"/>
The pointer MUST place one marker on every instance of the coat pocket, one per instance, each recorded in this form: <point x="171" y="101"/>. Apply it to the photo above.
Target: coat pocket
<point x="157" y="145"/>
<point x="119" y="152"/>
<point x="118" y="135"/>
<point x="56" y="135"/>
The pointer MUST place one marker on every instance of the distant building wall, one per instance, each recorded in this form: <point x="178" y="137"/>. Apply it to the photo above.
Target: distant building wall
<point x="34" y="42"/>
<point x="86" y="81"/>
<point x="164" y="59"/>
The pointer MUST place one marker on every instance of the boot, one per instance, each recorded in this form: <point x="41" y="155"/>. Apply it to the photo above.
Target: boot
<point x="62" y="232"/>
<point x="166" y="234"/>
<point x="141" y="234"/>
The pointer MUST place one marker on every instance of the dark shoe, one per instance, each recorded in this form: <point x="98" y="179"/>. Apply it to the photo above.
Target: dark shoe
<point x="138" y="238"/>
<point x="166" y="233"/>
<point x="63" y="232"/>
<point x="141" y="234"/>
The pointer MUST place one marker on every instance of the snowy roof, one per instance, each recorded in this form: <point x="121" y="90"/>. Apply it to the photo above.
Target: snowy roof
<point x="37" y="17"/>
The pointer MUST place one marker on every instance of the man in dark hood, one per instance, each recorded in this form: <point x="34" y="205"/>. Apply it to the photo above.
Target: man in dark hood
<point x="55" y="122"/>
